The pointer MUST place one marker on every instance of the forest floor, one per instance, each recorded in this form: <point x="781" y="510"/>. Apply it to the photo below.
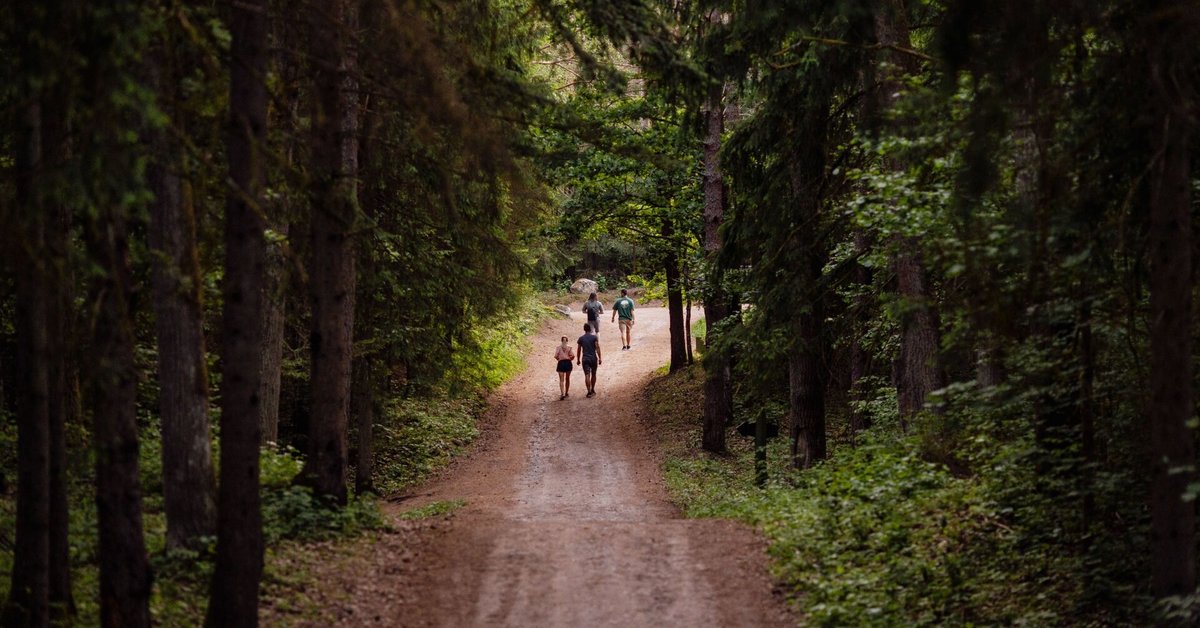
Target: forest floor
<point x="559" y="517"/>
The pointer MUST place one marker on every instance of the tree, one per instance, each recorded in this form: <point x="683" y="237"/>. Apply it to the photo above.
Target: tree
<point x="335" y="208"/>
<point x="189" y="488"/>
<point x="718" y="395"/>
<point x="233" y="600"/>
<point x="1172" y="409"/>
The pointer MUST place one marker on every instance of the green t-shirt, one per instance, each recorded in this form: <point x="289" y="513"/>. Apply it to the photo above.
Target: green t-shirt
<point x="624" y="308"/>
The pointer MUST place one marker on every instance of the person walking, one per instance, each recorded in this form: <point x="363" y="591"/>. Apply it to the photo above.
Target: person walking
<point x="589" y="356"/>
<point x="623" y="307"/>
<point x="593" y="308"/>
<point x="565" y="356"/>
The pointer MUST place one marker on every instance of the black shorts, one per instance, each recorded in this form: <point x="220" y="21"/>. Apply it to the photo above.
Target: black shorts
<point x="589" y="366"/>
<point x="595" y="323"/>
<point x="564" y="366"/>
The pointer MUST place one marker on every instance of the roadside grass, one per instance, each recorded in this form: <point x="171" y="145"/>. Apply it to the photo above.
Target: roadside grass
<point x="436" y="509"/>
<point x="302" y="535"/>
<point x="874" y="536"/>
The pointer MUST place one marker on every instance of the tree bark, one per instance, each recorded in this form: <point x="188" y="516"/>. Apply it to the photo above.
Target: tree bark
<point x="189" y="488"/>
<point x="63" y="371"/>
<point x="718" y="396"/>
<point x="920" y="369"/>
<point x="334" y="210"/>
<point x="674" y="300"/>
<point x="274" y="312"/>
<point x="29" y="598"/>
<point x="1173" y="520"/>
<point x="364" y="417"/>
<point x="233" y="599"/>
<point x="860" y="357"/>
<point x="806" y="391"/>
<point x="687" y="314"/>
<point x="124" y="570"/>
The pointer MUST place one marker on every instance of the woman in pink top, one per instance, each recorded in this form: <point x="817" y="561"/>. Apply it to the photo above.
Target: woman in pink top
<point x="565" y="356"/>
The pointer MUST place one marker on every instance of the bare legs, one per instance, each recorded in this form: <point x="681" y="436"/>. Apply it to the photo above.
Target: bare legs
<point x="564" y="385"/>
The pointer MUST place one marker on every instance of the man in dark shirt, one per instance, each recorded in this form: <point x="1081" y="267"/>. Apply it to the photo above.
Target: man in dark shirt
<point x="589" y="356"/>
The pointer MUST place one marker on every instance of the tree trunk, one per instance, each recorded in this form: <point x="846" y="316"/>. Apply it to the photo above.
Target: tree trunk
<point x="189" y="489"/>
<point x="1173" y="520"/>
<point x="364" y="417"/>
<point x="674" y="300"/>
<point x="860" y="357"/>
<point x="124" y="570"/>
<point x="806" y="388"/>
<point x="273" y="321"/>
<point x="334" y="210"/>
<point x="687" y="314"/>
<point x="29" y="597"/>
<point x="233" y="599"/>
<point x="63" y="374"/>
<point x="920" y="369"/>
<point x="718" y="396"/>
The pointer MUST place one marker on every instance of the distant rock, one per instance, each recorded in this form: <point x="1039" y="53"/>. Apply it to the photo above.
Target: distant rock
<point x="564" y="310"/>
<point x="584" y="286"/>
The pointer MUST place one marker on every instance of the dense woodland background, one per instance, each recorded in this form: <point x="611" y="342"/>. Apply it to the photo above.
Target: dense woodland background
<point x="263" y="260"/>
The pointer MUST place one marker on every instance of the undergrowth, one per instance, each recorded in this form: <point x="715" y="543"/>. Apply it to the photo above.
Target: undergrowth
<point x="874" y="536"/>
<point x="414" y="437"/>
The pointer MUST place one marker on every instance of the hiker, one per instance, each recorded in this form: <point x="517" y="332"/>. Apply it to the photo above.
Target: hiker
<point x="624" y="308"/>
<point x="593" y="308"/>
<point x="589" y="356"/>
<point x="565" y="356"/>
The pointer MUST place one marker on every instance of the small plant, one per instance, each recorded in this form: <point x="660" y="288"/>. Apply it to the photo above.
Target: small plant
<point x="436" y="509"/>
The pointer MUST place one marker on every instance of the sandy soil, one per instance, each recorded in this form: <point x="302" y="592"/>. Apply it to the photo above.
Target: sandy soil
<point x="566" y="520"/>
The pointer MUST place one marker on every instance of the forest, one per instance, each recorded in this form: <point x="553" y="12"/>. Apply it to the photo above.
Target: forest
<point x="264" y="264"/>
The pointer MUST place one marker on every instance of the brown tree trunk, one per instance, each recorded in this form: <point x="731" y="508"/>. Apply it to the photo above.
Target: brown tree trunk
<point x="674" y="300"/>
<point x="233" y="598"/>
<point x="1173" y="520"/>
<point x="274" y="287"/>
<point x="920" y="370"/>
<point x="364" y="418"/>
<point x="62" y="375"/>
<point x="334" y="210"/>
<point x="29" y="598"/>
<point x="806" y="392"/>
<point x="189" y="489"/>
<point x="718" y="395"/>
<point x="687" y="314"/>
<point x="920" y="367"/>
<point x="124" y="570"/>
<point x="860" y="357"/>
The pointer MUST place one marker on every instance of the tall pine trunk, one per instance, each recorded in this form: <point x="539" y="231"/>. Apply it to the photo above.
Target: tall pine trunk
<point x="273" y="319"/>
<point x="920" y="370"/>
<point x="335" y="205"/>
<point x="29" y="598"/>
<point x="718" y="395"/>
<point x="674" y="300"/>
<point x="233" y="599"/>
<point x="1173" y="520"/>
<point x="124" y="570"/>
<point x="63" y="370"/>
<point x="189" y="489"/>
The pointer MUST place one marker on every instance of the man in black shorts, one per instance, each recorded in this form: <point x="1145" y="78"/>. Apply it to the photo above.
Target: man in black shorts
<point x="589" y="356"/>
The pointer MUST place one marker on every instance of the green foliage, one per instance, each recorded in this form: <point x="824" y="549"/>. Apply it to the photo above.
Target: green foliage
<point x="295" y="513"/>
<point x="880" y="536"/>
<point x="436" y="509"/>
<point x="413" y="437"/>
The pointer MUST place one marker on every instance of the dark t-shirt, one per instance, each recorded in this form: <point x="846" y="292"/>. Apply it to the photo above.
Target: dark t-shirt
<point x="594" y="309"/>
<point x="588" y="342"/>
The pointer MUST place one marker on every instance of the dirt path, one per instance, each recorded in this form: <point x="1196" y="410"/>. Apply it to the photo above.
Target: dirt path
<point x="566" y="520"/>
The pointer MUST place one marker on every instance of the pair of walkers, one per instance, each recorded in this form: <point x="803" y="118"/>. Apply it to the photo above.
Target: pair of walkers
<point x="622" y="307"/>
<point x="589" y="356"/>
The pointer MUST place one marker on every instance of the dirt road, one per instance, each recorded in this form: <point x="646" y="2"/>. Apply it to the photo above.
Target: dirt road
<point x="566" y="520"/>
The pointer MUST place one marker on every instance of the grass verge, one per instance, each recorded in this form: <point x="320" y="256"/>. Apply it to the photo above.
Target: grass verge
<point x="874" y="536"/>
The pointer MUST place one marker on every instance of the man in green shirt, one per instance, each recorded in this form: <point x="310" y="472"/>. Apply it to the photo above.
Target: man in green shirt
<point x="623" y="307"/>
